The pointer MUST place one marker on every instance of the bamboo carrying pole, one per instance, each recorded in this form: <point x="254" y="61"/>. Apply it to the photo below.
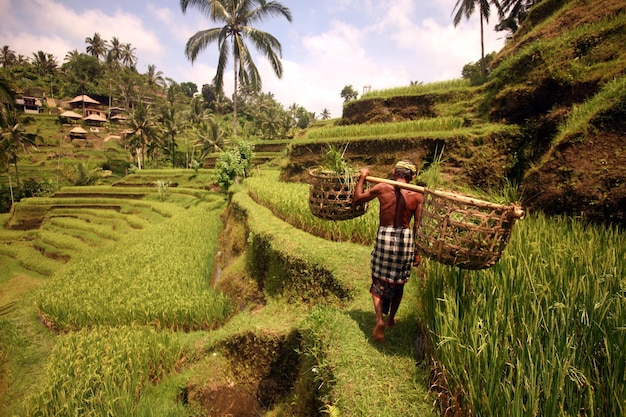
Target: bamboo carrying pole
<point x="518" y="212"/>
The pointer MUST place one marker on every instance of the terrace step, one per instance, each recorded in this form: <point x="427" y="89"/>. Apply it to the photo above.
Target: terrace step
<point x="134" y="196"/>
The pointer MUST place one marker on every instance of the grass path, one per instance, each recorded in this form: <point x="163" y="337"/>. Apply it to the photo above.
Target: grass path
<point x="364" y="376"/>
<point x="369" y="378"/>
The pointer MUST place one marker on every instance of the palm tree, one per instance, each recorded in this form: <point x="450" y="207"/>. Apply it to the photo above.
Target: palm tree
<point x="237" y="16"/>
<point x="210" y="137"/>
<point x="143" y="131"/>
<point x="7" y="100"/>
<point x="128" y="55"/>
<point x="13" y="138"/>
<point x="7" y="56"/>
<point x="517" y="10"/>
<point x="128" y="83"/>
<point x="96" y="46"/>
<point x="155" y="77"/>
<point x="115" y="52"/>
<point x="45" y="63"/>
<point x="171" y="119"/>
<point x="197" y="111"/>
<point x="466" y="8"/>
<point x="325" y="114"/>
<point x="171" y="125"/>
<point x="71" y="56"/>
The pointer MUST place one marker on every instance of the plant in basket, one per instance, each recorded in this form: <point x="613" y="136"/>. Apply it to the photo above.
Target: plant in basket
<point x="332" y="186"/>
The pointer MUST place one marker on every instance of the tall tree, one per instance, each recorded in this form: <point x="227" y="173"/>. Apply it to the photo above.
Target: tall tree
<point x="96" y="46"/>
<point x="71" y="56"/>
<point x="14" y="137"/>
<point x="128" y="55"/>
<point x="143" y="131"/>
<point x="115" y="52"/>
<point x="209" y="137"/>
<point x="517" y="11"/>
<point x="237" y="17"/>
<point x="81" y="70"/>
<point x="7" y="100"/>
<point x="154" y="77"/>
<point x="45" y="63"/>
<point x="348" y="93"/>
<point x="466" y="8"/>
<point x="128" y="83"/>
<point x="7" y="57"/>
<point x="171" y="119"/>
<point x="189" y="88"/>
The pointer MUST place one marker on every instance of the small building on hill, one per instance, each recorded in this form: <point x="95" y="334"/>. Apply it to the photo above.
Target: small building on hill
<point x="29" y="104"/>
<point x="78" y="132"/>
<point x="95" y="119"/>
<point x="117" y="114"/>
<point x="69" y="116"/>
<point x="84" y="102"/>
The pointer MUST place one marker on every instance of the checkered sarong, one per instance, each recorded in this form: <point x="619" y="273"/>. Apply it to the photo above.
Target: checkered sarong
<point x="392" y="257"/>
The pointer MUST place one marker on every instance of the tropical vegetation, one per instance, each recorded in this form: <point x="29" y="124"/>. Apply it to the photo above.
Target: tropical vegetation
<point x="128" y="291"/>
<point x="238" y="17"/>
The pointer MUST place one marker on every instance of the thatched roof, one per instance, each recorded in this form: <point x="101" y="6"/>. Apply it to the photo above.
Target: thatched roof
<point x="78" y="129"/>
<point x="95" y="118"/>
<point x="84" y="98"/>
<point x="71" y="114"/>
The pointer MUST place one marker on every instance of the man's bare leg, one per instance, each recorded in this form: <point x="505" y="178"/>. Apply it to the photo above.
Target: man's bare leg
<point x="379" y="329"/>
<point x="395" y="304"/>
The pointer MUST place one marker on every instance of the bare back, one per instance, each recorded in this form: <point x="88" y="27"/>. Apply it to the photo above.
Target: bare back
<point x="386" y="195"/>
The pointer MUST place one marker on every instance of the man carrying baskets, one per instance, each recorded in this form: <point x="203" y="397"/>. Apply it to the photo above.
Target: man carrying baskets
<point x="394" y="253"/>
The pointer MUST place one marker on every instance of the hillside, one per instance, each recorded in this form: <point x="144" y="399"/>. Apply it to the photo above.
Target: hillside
<point x="550" y="117"/>
<point x="179" y="300"/>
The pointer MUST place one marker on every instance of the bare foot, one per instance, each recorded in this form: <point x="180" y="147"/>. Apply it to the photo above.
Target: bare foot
<point x="391" y="321"/>
<point x="379" y="332"/>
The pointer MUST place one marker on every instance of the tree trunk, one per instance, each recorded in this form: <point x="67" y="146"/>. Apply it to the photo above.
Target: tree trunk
<point x="235" y="98"/>
<point x="482" y="46"/>
<point x="10" y="184"/>
<point x="139" y="152"/>
<point x="173" y="152"/>
<point x="17" y="177"/>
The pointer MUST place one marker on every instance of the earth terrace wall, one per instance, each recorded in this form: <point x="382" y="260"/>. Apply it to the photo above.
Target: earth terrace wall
<point x="292" y="264"/>
<point x="480" y="159"/>
<point x="399" y="108"/>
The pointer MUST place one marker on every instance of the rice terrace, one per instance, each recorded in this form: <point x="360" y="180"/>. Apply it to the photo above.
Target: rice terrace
<point x="169" y="260"/>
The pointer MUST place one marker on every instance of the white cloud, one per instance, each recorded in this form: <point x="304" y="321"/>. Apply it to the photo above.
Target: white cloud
<point x="59" y="29"/>
<point x="331" y="44"/>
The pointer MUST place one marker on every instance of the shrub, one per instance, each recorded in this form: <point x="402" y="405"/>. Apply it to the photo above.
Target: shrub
<point x="234" y="164"/>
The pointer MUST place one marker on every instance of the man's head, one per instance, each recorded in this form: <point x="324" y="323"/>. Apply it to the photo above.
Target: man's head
<point x="405" y="169"/>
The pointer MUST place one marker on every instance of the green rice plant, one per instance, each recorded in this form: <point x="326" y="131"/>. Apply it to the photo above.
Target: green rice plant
<point x="418" y="88"/>
<point x="542" y="332"/>
<point x="158" y="277"/>
<point x="103" y="371"/>
<point x="101" y="230"/>
<point x="30" y="258"/>
<point x="431" y="176"/>
<point x="61" y="241"/>
<point x="133" y="221"/>
<point x="7" y="235"/>
<point x="88" y="239"/>
<point x="402" y="129"/>
<point x="289" y="202"/>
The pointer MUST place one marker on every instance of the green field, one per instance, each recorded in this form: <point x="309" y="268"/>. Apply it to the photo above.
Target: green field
<point x="128" y="306"/>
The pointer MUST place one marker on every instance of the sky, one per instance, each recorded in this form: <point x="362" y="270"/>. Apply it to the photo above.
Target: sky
<point x="328" y="45"/>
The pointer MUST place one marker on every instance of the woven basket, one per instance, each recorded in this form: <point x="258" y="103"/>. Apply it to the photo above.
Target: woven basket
<point x="330" y="196"/>
<point x="464" y="232"/>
